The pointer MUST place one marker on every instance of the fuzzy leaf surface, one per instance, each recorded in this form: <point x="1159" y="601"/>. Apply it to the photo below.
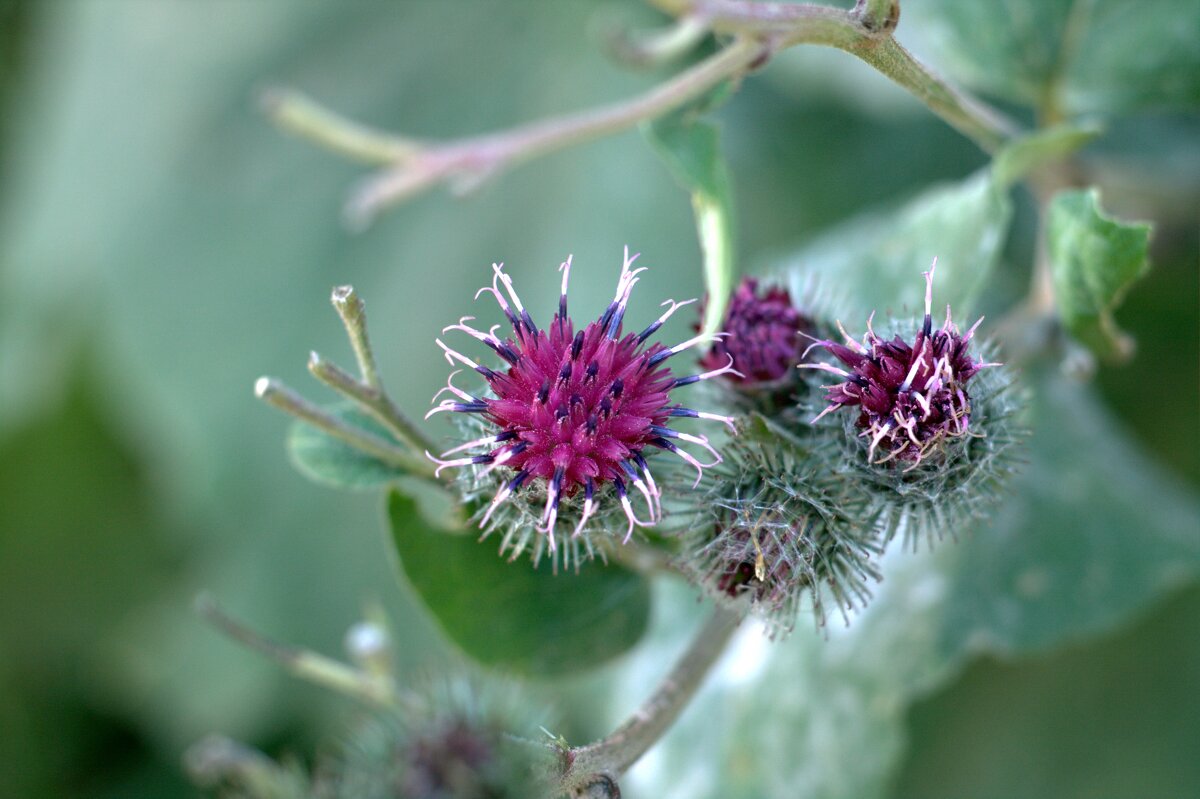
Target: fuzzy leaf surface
<point x="1096" y="55"/>
<point x="1095" y="260"/>
<point x="512" y="616"/>
<point x="1078" y="547"/>
<point x="875" y="260"/>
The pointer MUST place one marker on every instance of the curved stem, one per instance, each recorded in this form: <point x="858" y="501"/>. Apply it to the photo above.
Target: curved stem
<point x="467" y="163"/>
<point x="865" y="32"/>
<point x="606" y="760"/>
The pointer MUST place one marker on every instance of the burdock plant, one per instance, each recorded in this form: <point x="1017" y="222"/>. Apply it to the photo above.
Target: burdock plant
<point x="574" y="444"/>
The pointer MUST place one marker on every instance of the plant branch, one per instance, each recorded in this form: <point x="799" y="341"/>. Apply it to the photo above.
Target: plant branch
<point x="367" y="392"/>
<point x="375" y="689"/>
<point x="606" y="760"/>
<point x="302" y="117"/>
<point x="278" y="395"/>
<point x="465" y="164"/>
<point x="866" y="32"/>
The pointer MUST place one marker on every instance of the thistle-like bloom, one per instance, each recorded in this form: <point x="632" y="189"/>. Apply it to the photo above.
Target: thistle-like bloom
<point x="577" y="410"/>
<point x="763" y="335"/>
<point x="912" y="397"/>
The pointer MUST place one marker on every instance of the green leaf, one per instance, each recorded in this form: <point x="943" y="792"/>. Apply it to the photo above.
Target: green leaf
<point x="1095" y="259"/>
<point x="692" y="153"/>
<point x="512" y="616"/>
<point x="1087" y="55"/>
<point x="1025" y="154"/>
<point x="1076" y="550"/>
<point x="876" y="260"/>
<point x="332" y="462"/>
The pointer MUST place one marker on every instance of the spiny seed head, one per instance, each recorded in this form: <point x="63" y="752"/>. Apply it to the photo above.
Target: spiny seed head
<point x="762" y="336"/>
<point x="912" y="398"/>
<point x="781" y="532"/>
<point x="574" y="414"/>
<point x="456" y="738"/>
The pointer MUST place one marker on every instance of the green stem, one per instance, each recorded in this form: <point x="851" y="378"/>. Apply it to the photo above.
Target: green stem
<point x="277" y="395"/>
<point x="606" y="760"/>
<point x="371" y="688"/>
<point x="301" y="116"/>
<point x="970" y="117"/>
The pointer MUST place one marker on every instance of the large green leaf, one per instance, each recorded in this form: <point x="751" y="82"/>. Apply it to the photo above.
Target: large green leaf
<point x="1095" y="55"/>
<point x="1082" y="542"/>
<point x="512" y="616"/>
<point x="874" y="262"/>
<point x="1095" y="259"/>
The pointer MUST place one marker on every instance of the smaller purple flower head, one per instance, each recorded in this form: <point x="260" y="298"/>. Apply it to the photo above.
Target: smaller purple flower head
<point x="762" y="336"/>
<point x="912" y="398"/>
<point x="575" y="413"/>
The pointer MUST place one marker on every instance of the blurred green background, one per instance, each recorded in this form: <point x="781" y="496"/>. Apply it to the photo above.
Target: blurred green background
<point x="161" y="246"/>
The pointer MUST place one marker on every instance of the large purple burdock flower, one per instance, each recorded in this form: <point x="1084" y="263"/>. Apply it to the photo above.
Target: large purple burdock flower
<point x="763" y="335"/>
<point x="576" y="409"/>
<point x="913" y="397"/>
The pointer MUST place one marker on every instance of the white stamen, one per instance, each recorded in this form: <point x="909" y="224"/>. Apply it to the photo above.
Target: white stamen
<point x="924" y="403"/>
<point x="565" y="268"/>
<point x="654" y="491"/>
<point x="452" y="355"/>
<point x="850" y="341"/>
<point x="445" y="405"/>
<point x="825" y="367"/>
<point x="633" y="520"/>
<point x="726" y="420"/>
<point x="588" y="506"/>
<point x="829" y="409"/>
<point x="697" y="465"/>
<point x="479" y="335"/>
<point x="912" y="373"/>
<point x="479" y="442"/>
<point x="883" y="431"/>
<point x="726" y="369"/>
<point x="455" y="390"/>
<point x="703" y="338"/>
<point x="508" y="286"/>
<point x="703" y="442"/>
<point x="929" y="287"/>
<point x="675" y="306"/>
<point x="448" y="464"/>
<point x="971" y="331"/>
<point x="501" y="459"/>
<point x="501" y="495"/>
<point x="495" y="292"/>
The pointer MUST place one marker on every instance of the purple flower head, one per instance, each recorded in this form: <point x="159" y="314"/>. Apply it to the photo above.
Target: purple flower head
<point x="912" y="397"/>
<point x="763" y="335"/>
<point x="576" y="410"/>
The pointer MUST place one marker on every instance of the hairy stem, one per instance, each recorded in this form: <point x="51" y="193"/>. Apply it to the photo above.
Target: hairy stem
<point x="606" y="760"/>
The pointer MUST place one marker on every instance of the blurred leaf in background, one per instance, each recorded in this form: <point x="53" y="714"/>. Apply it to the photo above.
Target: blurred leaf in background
<point x="161" y="247"/>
